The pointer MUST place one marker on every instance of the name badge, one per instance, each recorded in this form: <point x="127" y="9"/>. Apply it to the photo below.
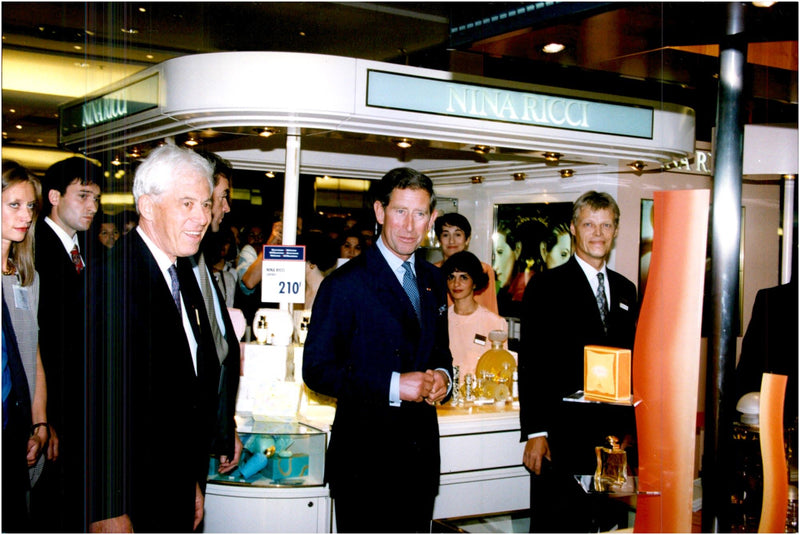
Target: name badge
<point x="480" y="340"/>
<point x="21" y="299"/>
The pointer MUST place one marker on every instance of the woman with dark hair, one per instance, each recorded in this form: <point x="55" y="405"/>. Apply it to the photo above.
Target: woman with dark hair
<point x="516" y="259"/>
<point x="469" y="323"/>
<point x="454" y="233"/>
<point x="25" y="429"/>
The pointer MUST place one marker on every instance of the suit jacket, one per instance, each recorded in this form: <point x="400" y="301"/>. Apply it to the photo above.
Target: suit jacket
<point x="62" y="301"/>
<point x="770" y="345"/>
<point x="560" y="317"/>
<point x="223" y="443"/>
<point x="154" y="416"/>
<point x="363" y="328"/>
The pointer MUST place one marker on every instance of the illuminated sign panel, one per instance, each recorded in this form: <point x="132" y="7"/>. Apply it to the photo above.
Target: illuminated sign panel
<point x="443" y="97"/>
<point x="135" y="98"/>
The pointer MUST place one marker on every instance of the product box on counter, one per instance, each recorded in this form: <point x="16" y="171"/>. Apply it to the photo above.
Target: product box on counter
<point x="606" y="373"/>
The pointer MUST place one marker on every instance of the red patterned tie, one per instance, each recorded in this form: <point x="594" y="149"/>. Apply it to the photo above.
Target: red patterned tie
<point x="76" y="259"/>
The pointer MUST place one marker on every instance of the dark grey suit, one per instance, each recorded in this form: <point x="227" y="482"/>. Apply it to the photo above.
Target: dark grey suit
<point x="154" y="417"/>
<point x="560" y="317"/>
<point x="363" y="328"/>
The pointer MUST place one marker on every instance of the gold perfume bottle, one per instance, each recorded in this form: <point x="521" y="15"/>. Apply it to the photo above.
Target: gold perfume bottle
<point x="612" y="465"/>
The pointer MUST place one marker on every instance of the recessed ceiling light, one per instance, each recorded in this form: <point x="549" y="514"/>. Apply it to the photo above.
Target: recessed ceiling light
<point x="264" y="132"/>
<point x="477" y="179"/>
<point x="403" y="143"/>
<point x="518" y="176"/>
<point x="567" y="173"/>
<point x="764" y="4"/>
<point x="482" y="149"/>
<point x="12" y="110"/>
<point x="129" y="30"/>
<point x="77" y="47"/>
<point x="553" y="48"/>
<point x="269" y="174"/>
<point x="638" y="165"/>
<point x="149" y="56"/>
<point x="552" y="156"/>
<point x="142" y="10"/>
<point x="18" y="126"/>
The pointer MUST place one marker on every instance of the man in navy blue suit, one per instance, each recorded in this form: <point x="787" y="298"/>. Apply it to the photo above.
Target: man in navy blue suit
<point x="579" y="303"/>
<point x="378" y="342"/>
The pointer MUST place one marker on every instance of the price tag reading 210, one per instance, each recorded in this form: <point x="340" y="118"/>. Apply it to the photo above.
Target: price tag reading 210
<point x="283" y="274"/>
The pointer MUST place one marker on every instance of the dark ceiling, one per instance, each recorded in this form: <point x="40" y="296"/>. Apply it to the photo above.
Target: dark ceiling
<point x="652" y="50"/>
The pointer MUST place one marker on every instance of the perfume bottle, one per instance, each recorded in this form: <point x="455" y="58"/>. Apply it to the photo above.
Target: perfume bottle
<point x="495" y="369"/>
<point x="455" y="399"/>
<point x="612" y="465"/>
<point x="261" y="331"/>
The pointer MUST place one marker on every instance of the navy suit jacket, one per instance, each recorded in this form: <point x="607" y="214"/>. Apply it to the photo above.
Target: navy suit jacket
<point x="363" y="328"/>
<point x="154" y="417"/>
<point x="62" y="301"/>
<point x="560" y="317"/>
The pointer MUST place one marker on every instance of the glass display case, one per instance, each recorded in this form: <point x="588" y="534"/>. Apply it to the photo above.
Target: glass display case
<point x="276" y="454"/>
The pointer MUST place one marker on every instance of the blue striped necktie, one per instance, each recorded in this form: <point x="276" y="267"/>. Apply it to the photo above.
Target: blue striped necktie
<point x="410" y="286"/>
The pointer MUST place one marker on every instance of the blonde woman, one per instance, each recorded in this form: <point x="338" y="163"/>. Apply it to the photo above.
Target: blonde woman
<point x="25" y="429"/>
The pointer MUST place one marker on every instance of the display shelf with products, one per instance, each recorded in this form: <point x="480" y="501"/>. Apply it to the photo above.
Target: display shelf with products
<point x="276" y="454"/>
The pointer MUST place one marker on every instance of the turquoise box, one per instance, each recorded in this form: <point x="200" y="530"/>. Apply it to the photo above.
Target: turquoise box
<point x="286" y="467"/>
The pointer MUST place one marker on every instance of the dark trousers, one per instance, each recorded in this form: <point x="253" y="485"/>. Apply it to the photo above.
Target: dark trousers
<point x="16" y="482"/>
<point x="560" y="505"/>
<point x="376" y="510"/>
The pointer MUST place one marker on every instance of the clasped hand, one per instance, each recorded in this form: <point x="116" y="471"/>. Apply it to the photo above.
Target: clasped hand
<point x="429" y="386"/>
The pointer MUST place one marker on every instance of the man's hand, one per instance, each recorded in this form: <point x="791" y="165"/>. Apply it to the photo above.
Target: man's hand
<point x="199" y="502"/>
<point x="440" y="384"/>
<point x="415" y="386"/>
<point x="535" y="450"/>
<point x="119" y="524"/>
<point x="52" y="445"/>
<point x="225" y="465"/>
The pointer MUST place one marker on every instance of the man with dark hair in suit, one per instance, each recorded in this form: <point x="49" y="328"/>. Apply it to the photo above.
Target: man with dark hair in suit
<point x="378" y="342"/>
<point x="71" y="194"/>
<point x="225" y="340"/>
<point x="155" y="398"/>
<point x="579" y="303"/>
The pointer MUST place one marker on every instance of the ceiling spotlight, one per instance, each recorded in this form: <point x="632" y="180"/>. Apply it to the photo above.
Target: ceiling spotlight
<point x="269" y="174"/>
<point x="477" y="179"/>
<point x="116" y="160"/>
<point x="482" y="149"/>
<point x="192" y="141"/>
<point x="518" y="176"/>
<point x="567" y="173"/>
<point x="552" y="156"/>
<point x="129" y="30"/>
<point x="265" y="132"/>
<point x="135" y="152"/>
<point x="553" y="48"/>
<point x="638" y="165"/>
<point x="403" y="143"/>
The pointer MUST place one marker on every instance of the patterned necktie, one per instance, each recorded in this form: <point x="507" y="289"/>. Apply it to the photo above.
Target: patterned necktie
<point x="602" y="303"/>
<point x="410" y="286"/>
<point x="208" y="290"/>
<point x="176" y="287"/>
<point x="76" y="259"/>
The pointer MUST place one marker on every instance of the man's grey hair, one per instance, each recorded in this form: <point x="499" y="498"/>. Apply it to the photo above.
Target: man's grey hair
<point x="156" y="174"/>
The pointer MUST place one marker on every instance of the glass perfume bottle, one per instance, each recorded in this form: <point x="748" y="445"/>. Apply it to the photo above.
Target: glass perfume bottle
<point x="612" y="465"/>
<point x="261" y="331"/>
<point x="495" y="369"/>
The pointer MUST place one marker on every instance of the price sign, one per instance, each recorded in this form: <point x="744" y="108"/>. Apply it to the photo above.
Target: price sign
<point x="283" y="274"/>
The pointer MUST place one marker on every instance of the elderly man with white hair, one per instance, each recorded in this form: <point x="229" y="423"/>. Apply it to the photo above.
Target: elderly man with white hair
<point x="156" y="371"/>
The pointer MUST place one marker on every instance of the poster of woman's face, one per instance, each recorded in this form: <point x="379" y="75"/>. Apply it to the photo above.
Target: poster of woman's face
<point x="529" y="238"/>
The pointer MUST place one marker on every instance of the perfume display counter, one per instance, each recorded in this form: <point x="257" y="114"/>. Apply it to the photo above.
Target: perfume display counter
<point x="481" y="468"/>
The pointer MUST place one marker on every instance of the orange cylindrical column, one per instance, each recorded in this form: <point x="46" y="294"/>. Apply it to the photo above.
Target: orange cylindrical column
<point x="666" y="361"/>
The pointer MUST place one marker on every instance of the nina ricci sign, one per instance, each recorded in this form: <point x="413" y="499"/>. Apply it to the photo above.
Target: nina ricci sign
<point x="443" y="97"/>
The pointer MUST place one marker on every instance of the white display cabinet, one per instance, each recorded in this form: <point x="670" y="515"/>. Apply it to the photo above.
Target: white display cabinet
<point x="277" y="487"/>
